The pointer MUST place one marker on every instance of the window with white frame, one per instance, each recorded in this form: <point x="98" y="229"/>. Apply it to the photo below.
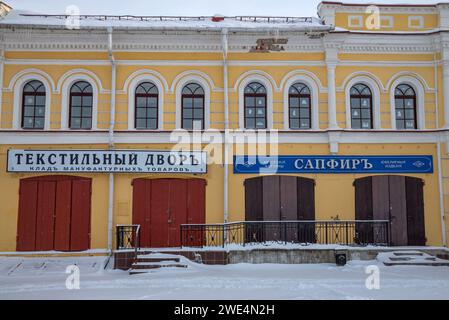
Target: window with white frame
<point x="255" y="106"/>
<point x="146" y="106"/>
<point x="299" y="105"/>
<point x="33" y="105"/>
<point x="192" y="107"/>
<point x="361" y="107"/>
<point x="405" y="107"/>
<point x="81" y="103"/>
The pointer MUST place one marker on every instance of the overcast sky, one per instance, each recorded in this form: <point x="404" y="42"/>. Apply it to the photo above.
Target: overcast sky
<point x="187" y="7"/>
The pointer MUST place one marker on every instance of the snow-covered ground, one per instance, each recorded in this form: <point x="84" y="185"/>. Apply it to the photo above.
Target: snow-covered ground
<point x="45" y="278"/>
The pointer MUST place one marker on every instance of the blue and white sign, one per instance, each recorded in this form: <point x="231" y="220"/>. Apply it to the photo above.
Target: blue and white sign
<point x="333" y="164"/>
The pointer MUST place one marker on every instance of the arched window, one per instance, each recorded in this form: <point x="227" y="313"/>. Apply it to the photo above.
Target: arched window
<point x="299" y="105"/>
<point x="255" y="96"/>
<point x="146" y="104"/>
<point x="361" y="107"/>
<point x="33" y="105"/>
<point x="405" y="107"/>
<point x="192" y="107"/>
<point x="81" y="98"/>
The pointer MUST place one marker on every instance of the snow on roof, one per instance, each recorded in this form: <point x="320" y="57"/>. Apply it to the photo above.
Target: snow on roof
<point x="238" y="23"/>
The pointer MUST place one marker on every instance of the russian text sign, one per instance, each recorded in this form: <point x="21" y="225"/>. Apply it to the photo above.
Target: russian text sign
<point x="125" y="161"/>
<point x="333" y="164"/>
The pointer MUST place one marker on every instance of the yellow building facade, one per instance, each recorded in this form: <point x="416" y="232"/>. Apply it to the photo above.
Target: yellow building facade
<point x="380" y="48"/>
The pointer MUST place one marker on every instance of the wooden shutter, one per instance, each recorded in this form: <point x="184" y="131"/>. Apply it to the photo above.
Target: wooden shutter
<point x="80" y="222"/>
<point x="415" y="212"/>
<point x="398" y="211"/>
<point x="26" y="226"/>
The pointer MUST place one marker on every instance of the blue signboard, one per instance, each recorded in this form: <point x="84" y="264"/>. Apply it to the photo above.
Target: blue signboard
<point x="333" y="164"/>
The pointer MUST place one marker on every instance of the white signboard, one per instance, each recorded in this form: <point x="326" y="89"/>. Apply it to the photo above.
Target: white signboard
<point x="120" y="161"/>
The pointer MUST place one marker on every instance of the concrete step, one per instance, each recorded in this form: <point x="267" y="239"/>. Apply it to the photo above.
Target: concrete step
<point x="156" y="265"/>
<point x="154" y="261"/>
<point x="148" y="259"/>
<point x="410" y="258"/>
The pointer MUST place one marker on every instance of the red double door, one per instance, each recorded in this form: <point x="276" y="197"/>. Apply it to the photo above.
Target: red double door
<point x="160" y="206"/>
<point x="54" y="214"/>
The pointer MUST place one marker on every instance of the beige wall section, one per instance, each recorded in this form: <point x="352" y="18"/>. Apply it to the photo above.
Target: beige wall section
<point x="9" y="200"/>
<point x="334" y="193"/>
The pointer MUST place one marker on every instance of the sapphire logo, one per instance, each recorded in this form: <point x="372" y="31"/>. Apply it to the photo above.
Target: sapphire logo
<point x="419" y="164"/>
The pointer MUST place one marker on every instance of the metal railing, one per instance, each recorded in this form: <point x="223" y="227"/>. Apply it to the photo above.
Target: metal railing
<point x="344" y="232"/>
<point x="128" y="237"/>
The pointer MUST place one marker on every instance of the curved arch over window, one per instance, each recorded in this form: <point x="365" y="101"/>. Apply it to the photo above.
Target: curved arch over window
<point x="405" y="107"/>
<point x="33" y="105"/>
<point x="361" y="107"/>
<point x="81" y="101"/>
<point x="146" y="106"/>
<point x="192" y="98"/>
<point x="299" y="106"/>
<point x="255" y="106"/>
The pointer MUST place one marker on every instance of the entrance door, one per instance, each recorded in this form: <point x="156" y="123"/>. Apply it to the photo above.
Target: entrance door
<point x="395" y="198"/>
<point x="54" y="214"/>
<point x="160" y="206"/>
<point x="280" y="198"/>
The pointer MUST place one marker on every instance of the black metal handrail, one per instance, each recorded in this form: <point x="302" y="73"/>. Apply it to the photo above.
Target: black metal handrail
<point x="344" y="232"/>
<point x="128" y="237"/>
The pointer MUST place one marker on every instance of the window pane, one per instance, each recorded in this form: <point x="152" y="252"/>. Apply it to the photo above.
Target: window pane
<point x="294" y="102"/>
<point x="152" y="102"/>
<point x="294" y="113"/>
<point x="304" y="113"/>
<point x="399" y="103"/>
<point x="187" y="102"/>
<point x="250" y="123"/>
<point x="87" y="101"/>
<point x="356" y="124"/>
<point x="197" y="124"/>
<point x="366" y="124"/>
<point x="28" y="122"/>
<point x="76" y="111"/>
<point x="410" y="124"/>
<point x="260" y="123"/>
<point x="250" y="112"/>
<point x="86" y="123"/>
<point x="39" y="123"/>
<point x="87" y="112"/>
<point x="152" y="113"/>
<point x="355" y="113"/>
<point x="366" y="113"/>
<point x="141" y="102"/>
<point x="198" y="102"/>
<point x="305" y="124"/>
<point x="29" y="100"/>
<point x="355" y="103"/>
<point x="141" y="113"/>
<point x="400" y="124"/>
<point x="76" y="123"/>
<point x="29" y="111"/>
<point x="140" y="123"/>
<point x="249" y="102"/>
<point x="198" y="113"/>
<point x="40" y="111"/>
<point x="409" y="103"/>
<point x="304" y="102"/>
<point x="410" y="113"/>
<point x="76" y="101"/>
<point x="294" y="123"/>
<point x="365" y="103"/>
<point x="399" y="114"/>
<point x="187" y="124"/>
<point x="40" y="100"/>
<point x="260" y="102"/>
<point x="188" y="113"/>
<point x="261" y="112"/>
<point x="151" y="124"/>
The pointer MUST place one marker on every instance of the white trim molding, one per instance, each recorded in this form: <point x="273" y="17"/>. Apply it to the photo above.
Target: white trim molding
<point x="69" y="74"/>
<point x="66" y="83"/>
<point x="314" y="87"/>
<point x="194" y="74"/>
<point x="132" y="83"/>
<point x="418" y="86"/>
<point x="20" y="80"/>
<point x="268" y="83"/>
<point x="419" y="19"/>
<point x="256" y="73"/>
<point x="373" y="85"/>
<point x="358" y="19"/>
<point x="180" y="83"/>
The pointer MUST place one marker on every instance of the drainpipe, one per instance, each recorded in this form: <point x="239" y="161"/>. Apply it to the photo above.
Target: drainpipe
<point x="111" y="141"/>
<point x="224" y="43"/>
<point x="440" y="173"/>
<point x="2" y="59"/>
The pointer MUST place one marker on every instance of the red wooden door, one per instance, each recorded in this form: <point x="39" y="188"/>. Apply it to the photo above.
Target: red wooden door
<point x="54" y="214"/>
<point x="160" y="206"/>
<point x="196" y="204"/>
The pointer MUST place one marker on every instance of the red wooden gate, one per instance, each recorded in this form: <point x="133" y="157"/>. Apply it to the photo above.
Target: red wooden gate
<point x="160" y="206"/>
<point x="54" y="214"/>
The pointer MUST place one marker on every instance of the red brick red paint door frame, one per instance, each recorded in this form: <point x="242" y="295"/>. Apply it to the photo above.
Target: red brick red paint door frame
<point x="54" y="213"/>
<point x="160" y="206"/>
